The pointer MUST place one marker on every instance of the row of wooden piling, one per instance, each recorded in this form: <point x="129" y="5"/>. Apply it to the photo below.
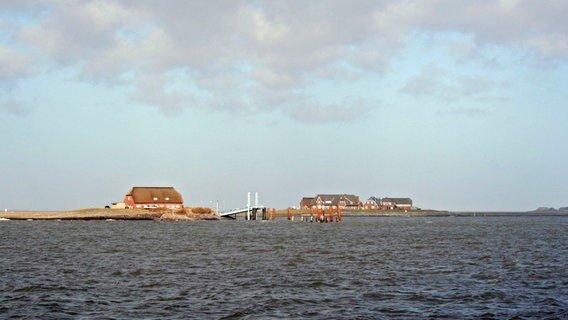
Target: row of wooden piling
<point x="317" y="215"/>
<point x="321" y="215"/>
<point x="269" y="214"/>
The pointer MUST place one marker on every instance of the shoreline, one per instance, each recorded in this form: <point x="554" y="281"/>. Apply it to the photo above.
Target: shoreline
<point x="459" y="214"/>
<point x="188" y="215"/>
<point x="110" y="214"/>
<point x="428" y="213"/>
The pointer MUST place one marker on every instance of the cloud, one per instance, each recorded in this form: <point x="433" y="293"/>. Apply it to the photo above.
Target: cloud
<point x="436" y="83"/>
<point x="429" y="83"/>
<point x="13" y="65"/>
<point x="465" y="112"/>
<point x="78" y="32"/>
<point x="505" y="22"/>
<point x="237" y="55"/>
<point x="14" y="108"/>
<point x="152" y="90"/>
<point x="551" y="45"/>
<point x="348" y="111"/>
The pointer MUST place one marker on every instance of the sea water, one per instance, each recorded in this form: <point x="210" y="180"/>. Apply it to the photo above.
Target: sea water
<point x="363" y="268"/>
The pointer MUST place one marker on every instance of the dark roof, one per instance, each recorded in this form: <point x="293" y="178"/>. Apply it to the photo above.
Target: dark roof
<point x="333" y="199"/>
<point x="328" y="197"/>
<point x="155" y="195"/>
<point x="398" y="200"/>
<point x="351" y="198"/>
<point x="307" y="201"/>
<point x="376" y="199"/>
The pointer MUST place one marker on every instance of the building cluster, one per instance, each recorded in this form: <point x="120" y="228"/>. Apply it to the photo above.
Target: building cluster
<point x="326" y="201"/>
<point x="374" y="203"/>
<point x="170" y="198"/>
<point x="351" y="201"/>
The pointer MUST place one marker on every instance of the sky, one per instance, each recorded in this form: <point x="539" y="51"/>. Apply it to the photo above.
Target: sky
<point x="459" y="105"/>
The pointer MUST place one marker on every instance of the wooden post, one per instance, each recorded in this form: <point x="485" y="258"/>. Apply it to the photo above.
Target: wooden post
<point x="289" y="214"/>
<point x="338" y="214"/>
<point x="331" y="214"/>
<point x="319" y="215"/>
<point x="311" y="214"/>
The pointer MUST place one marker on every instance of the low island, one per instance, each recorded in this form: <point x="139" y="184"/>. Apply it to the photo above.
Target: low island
<point x="200" y="214"/>
<point x="184" y="214"/>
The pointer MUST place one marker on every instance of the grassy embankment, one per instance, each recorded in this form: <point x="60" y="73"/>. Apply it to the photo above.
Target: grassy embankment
<point x="186" y="214"/>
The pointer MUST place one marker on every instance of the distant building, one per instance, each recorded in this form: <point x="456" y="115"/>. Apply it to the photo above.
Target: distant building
<point x="306" y="202"/>
<point x="396" y="203"/>
<point x="373" y="203"/>
<point x="153" y="197"/>
<point x="343" y="201"/>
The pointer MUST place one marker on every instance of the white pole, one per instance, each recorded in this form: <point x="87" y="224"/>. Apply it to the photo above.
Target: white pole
<point x="248" y="205"/>
<point x="256" y="205"/>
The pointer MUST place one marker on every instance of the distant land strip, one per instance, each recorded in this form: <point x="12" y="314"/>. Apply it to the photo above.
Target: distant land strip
<point x="456" y="213"/>
<point x="430" y="213"/>
<point x="111" y="214"/>
<point x="197" y="214"/>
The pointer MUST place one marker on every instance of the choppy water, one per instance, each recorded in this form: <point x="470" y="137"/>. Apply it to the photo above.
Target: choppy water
<point x="363" y="268"/>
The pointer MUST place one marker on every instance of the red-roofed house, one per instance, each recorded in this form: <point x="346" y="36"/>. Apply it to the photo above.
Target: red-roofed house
<point x="153" y="197"/>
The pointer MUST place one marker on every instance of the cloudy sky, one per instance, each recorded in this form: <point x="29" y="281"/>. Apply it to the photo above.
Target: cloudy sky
<point x="458" y="104"/>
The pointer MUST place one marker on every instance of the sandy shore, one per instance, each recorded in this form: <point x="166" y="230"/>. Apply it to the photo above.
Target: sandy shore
<point x="105" y="214"/>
